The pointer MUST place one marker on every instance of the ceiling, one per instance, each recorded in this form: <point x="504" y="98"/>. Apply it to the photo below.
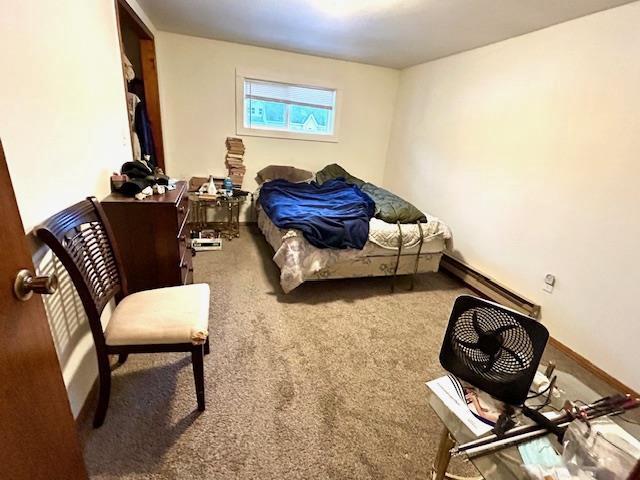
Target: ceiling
<point x="390" y="33"/>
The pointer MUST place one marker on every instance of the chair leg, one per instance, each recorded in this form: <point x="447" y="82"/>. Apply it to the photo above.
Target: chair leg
<point x="197" y="357"/>
<point x="122" y="358"/>
<point x="105" y="391"/>
<point x="206" y="346"/>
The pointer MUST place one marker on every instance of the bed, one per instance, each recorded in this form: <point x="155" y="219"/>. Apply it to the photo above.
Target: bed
<point x="390" y="249"/>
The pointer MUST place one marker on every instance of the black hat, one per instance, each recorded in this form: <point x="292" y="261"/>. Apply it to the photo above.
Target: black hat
<point x="135" y="169"/>
<point x="134" y="185"/>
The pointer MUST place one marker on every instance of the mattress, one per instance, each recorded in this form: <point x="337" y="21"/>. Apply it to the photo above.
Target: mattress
<point x="299" y="261"/>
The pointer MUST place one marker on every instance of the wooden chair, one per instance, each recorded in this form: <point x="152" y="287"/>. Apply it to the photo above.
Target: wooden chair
<point x="172" y="319"/>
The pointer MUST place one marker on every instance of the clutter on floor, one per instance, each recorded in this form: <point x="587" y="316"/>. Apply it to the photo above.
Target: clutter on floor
<point x="206" y="240"/>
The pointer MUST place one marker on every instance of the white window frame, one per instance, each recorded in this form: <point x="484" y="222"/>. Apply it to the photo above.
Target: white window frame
<point x="241" y="130"/>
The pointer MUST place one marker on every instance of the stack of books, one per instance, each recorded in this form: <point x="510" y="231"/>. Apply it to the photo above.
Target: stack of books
<point x="233" y="160"/>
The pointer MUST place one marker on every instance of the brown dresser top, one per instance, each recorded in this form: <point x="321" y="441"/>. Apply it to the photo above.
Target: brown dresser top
<point x="172" y="196"/>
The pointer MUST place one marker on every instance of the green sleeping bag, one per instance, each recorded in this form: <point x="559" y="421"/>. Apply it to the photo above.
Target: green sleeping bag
<point x="389" y="207"/>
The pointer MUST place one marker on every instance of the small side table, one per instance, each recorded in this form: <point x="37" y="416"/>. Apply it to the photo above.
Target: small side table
<point x="505" y="464"/>
<point x="219" y="205"/>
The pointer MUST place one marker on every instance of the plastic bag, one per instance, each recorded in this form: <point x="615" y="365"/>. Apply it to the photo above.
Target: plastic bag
<point x="598" y="450"/>
<point x="600" y="447"/>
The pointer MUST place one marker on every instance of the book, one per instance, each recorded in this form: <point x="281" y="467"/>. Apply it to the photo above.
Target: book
<point x="464" y="404"/>
<point x="234" y="160"/>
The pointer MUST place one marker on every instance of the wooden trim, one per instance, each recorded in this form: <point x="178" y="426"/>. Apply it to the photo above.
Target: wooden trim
<point x="149" y="75"/>
<point x="152" y="96"/>
<point x="590" y="367"/>
<point x="489" y="287"/>
<point x="124" y="75"/>
<point x="142" y="29"/>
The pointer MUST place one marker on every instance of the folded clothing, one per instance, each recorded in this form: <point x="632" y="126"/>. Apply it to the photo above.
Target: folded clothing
<point x="389" y="207"/>
<point x="332" y="215"/>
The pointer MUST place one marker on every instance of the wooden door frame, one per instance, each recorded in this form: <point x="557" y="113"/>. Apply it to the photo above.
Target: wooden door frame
<point x="150" y="75"/>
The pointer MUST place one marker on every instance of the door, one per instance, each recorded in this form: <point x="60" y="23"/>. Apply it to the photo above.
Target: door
<point x="128" y="19"/>
<point x="38" y="438"/>
<point x="152" y="95"/>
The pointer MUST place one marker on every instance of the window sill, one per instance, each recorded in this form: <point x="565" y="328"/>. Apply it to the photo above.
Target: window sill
<point x="309" y="137"/>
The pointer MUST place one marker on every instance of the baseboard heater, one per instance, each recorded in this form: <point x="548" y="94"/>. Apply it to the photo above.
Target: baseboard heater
<point x="488" y="286"/>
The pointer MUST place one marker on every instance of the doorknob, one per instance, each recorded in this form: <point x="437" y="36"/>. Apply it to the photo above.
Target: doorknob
<point x="27" y="283"/>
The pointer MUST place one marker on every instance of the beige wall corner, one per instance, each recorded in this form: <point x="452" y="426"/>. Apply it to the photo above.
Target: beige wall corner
<point x="528" y="148"/>
<point x="197" y="86"/>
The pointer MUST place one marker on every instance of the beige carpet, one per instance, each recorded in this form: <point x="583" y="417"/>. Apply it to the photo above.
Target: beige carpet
<point x="324" y="383"/>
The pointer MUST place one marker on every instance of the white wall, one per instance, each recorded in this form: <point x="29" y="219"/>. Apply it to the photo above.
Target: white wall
<point x="64" y="130"/>
<point x="197" y="87"/>
<point x="529" y="149"/>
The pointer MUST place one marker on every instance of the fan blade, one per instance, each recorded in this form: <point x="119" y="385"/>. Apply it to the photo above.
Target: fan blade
<point x="514" y="355"/>
<point x="472" y="345"/>
<point x="476" y="324"/>
<point x="490" y="363"/>
<point x="505" y="328"/>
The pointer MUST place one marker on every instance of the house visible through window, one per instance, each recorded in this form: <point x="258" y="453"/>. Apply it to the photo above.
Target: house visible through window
<point x="284" y="107"/>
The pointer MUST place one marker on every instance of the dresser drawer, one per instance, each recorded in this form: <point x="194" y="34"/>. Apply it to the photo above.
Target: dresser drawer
<point x="186" y="269"/>
<point x="183" y="212"/>
<point x="159" y="223"/>
<point x="184" y="244"/>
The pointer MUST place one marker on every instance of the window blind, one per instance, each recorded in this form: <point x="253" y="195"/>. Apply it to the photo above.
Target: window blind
<point x="289" y="94"/>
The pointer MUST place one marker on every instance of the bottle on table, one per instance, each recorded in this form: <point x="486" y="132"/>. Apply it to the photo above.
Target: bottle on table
<point x="228" y="187"/>
<point x="211" y="186"/>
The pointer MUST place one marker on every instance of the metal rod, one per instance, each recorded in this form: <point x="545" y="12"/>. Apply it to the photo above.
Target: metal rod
<point x="509" y="433"/>
<point x="514" y="440"/>
<point x="605" y="406"/>
<point x="507" y="442"/>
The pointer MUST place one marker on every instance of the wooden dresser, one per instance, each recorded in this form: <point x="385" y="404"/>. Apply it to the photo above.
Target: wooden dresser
<point x="153" y="238"/>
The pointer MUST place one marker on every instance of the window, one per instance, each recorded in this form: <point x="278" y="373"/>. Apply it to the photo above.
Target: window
<point x="286" y="110"/>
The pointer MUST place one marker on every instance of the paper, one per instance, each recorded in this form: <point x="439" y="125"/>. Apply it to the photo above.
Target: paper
<point x="444" y="388"/>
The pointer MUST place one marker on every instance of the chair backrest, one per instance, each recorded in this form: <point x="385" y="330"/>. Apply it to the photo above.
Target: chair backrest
<point x="80" y="236"/>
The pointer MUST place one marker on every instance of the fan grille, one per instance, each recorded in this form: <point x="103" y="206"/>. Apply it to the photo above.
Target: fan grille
<point x="514" y="350"/>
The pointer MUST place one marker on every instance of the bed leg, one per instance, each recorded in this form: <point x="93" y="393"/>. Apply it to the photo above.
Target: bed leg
<point x="415" y="268"/>
<point x="395" y="270"/>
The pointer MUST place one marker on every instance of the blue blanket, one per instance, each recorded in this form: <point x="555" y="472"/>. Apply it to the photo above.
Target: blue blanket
<point x="332" y="215"/>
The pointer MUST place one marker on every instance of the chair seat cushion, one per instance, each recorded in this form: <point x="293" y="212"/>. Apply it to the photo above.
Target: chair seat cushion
<point x="160" y="316"/>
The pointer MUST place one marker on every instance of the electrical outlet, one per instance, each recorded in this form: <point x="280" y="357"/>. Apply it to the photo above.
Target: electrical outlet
<point x="549" y="282"/>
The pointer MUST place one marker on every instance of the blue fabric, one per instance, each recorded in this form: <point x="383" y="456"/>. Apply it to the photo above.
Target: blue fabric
<point x="332" y="215"/>
<point x="145" y="135"/>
